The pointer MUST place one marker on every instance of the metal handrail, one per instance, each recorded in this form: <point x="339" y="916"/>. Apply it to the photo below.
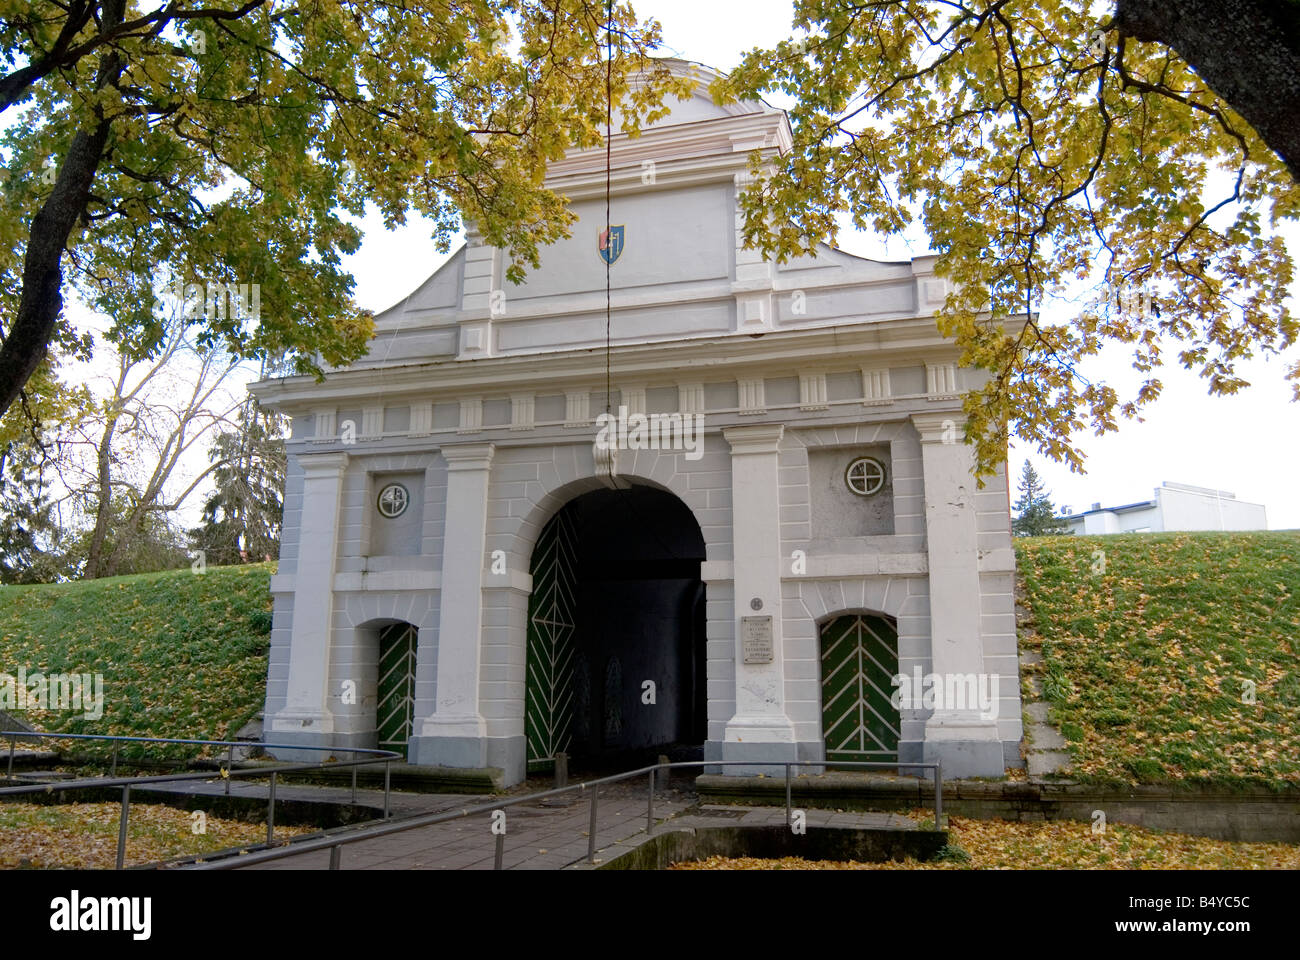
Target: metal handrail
<point x="229" y="772"/>
<point x="335" y="844"/>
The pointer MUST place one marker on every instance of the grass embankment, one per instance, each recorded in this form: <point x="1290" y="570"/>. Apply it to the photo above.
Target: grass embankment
<point x="182" y="654"/>
<point x="1170" y="657"/>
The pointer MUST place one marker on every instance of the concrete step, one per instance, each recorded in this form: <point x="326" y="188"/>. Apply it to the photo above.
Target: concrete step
<point x="1045" y="737"/>
<point x="1044" y="762"/>
<point x="44" y="776"/>
<point x="1036" y="712"/>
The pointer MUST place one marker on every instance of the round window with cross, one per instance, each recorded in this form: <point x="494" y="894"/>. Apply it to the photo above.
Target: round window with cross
<point x="393" y="500"/>
<point x="865" y="476"/>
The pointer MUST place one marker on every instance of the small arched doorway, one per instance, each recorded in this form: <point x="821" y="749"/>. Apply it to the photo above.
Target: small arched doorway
<point x="395" y="690"/>
<point x="615" y="667"/>
<point x="859" y="659"/>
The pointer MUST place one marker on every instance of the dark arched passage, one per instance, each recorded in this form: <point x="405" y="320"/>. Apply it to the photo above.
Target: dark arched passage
<point x="616" y="651"/>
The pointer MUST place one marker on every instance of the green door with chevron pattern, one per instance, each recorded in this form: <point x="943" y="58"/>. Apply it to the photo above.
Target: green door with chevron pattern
<point x="859" y="658"/>
<point x="552" y="643"/>
<point x="396" y="698"/>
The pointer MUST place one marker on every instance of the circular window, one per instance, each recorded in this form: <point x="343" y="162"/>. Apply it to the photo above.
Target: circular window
<point x="865" y="476"/>
<point x="393" y="501"/>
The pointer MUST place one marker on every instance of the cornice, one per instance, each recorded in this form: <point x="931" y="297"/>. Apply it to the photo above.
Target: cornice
<point x="646" y="295"/>
<point x="775" y="353"/>
<point x="760" y="438"/>
<point x="941" y="427"/>
<point x="701" y="150"/>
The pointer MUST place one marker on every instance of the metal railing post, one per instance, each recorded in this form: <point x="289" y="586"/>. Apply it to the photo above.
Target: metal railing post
<point x="388" y="766"/>
<point x="650" y="806"/>
<point x="354" y="779"/>
<point x="96" y="782"/>
<point x="787" y="795"/>
<point x="270" y="812"/>
<point x="656" y="774"/>
<point x="121" y="826"/>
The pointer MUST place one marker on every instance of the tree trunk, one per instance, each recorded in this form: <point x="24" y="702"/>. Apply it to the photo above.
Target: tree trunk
<point x="1246" y="51"/>
<point x="95" y="565"/>
<point x="29" y="335"/>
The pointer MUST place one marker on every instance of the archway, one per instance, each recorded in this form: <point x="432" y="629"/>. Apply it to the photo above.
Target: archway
<point x="859" y="659"/>
<point x="616" y="632"/>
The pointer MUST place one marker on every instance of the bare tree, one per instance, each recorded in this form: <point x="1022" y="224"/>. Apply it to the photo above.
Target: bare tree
<point x="124" y="461"/>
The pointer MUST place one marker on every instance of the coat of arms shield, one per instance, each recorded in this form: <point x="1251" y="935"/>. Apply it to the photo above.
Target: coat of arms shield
<point x="610" y="243"/>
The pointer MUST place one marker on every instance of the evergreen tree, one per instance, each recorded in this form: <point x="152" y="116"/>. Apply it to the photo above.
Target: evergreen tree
<point x="241" y="519"/>
<point x="1036" y="517"/>
<point x="27" y="526"/>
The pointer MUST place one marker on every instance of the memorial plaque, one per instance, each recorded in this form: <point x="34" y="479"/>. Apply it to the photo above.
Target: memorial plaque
<point x="756" y="637"/>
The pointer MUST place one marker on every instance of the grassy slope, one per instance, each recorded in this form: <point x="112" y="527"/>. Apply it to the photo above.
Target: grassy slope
<point x="182" y="654"/>
<point x="1148" y="645"/>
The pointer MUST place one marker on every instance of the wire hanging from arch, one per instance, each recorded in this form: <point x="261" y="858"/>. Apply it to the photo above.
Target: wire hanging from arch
<point x="609" y="229"/>
<point x="608" y="236"/>
<point x="609" y="119"/>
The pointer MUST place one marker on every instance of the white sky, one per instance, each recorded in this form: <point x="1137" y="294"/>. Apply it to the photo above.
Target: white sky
<point x="1246" y="444"/>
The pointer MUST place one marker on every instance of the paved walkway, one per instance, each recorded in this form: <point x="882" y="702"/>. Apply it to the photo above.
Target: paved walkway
<point x="401" y="803"/>
<point x="549" y="836"/>
<point x="539" y="836"/>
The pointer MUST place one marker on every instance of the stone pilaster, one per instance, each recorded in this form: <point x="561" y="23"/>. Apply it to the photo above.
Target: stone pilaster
<point x="958" y="735"/>
<point x="455" y="734"/>
<point x="760" y="729"/>
<point x="306" y="717"/>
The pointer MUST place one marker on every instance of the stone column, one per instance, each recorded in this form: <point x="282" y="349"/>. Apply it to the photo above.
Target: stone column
<point x="455" y="734"/>
<point x="306" y="717"/>
<point x="760" y="729"/>
<point x="957" y="734"/>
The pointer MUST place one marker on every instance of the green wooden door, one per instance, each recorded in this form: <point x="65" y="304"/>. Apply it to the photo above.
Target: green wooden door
<point x="859" y="659"/>
<point x="396" y="700"/>
<point x="552" y="629"/>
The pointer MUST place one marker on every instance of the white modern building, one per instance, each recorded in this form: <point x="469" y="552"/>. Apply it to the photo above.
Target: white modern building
<point x="786" y="524"/>
<point x="1173" y="506"/>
